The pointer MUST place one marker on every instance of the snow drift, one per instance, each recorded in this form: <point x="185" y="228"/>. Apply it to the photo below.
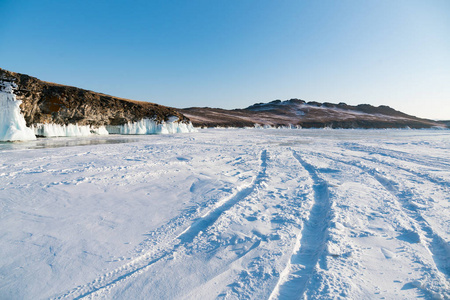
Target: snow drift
<point x="12" y="123"/>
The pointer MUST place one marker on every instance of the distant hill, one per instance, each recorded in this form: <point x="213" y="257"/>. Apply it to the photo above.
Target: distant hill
<point x="446" y="123"/>
<point x="298" y="112"/>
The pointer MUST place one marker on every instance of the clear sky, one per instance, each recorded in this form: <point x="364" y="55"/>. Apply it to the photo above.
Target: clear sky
<point x="233" y="53"/>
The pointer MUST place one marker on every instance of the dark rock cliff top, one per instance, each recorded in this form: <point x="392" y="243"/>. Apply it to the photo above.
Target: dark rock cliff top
<point x="46" y="102"/>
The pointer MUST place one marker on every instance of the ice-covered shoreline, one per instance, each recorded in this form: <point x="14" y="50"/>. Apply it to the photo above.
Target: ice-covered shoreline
<point x="13" y="126"/>
<point x="142" y="127"/>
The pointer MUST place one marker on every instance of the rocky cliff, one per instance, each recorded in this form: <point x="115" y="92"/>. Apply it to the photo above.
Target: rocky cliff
<point x="46" y="102"/>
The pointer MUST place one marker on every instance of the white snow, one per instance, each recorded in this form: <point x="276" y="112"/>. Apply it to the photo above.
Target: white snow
<point x="228" y="214"/>
<point x="12" y="123"/>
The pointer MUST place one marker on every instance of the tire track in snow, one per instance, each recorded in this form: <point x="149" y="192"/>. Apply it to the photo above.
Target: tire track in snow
<point x="437" y="181"/>
<point x="207" y="220"/>
<point x="142" y="263"/>
<point x="308" y="250"/>
<point x="438" y="247"/>
<point x="400" y="155"/>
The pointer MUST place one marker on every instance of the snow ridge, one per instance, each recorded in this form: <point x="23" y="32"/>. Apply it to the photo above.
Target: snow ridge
<point x="142" y="263"/>
<point x="307" y="253"/>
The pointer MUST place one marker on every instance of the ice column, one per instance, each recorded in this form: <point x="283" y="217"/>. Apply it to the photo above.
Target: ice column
<point x="12" y="123"/>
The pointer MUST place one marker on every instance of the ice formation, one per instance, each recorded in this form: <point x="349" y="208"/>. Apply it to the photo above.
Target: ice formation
<point x="12" y="123"/>
<point x="71" y="130"/>
<point x="13" y="126"/>
<point x="144" y="126"/>
<point x="148" y="126"/>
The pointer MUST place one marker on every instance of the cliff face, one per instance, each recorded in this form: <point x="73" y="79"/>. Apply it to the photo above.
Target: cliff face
<point x="45" y="102"/>
<point x="308" y="115"/>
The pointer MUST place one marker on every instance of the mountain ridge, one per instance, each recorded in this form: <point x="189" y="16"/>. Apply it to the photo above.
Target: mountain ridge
<point x="47" y="102"/>
<point x="312" y="114"/>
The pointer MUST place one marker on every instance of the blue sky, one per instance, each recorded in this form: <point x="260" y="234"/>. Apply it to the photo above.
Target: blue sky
<point x="231" y="54"/>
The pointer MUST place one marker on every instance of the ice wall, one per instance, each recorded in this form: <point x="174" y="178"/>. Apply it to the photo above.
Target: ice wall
<point x="148" y="126"/>
<point x="144" y="126"/>
<point x="54" y="130"/>
<point x="12" y="123"/>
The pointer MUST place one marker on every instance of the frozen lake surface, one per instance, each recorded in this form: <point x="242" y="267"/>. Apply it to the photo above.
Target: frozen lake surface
<point x="227" y="214"/>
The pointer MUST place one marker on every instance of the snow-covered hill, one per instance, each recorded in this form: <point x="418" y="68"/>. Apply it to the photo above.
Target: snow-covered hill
<point x="297" y="112"/>
<point x="227" y="214"/>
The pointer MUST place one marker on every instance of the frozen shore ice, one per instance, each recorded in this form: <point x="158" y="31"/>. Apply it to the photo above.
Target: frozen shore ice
<point x="70" y="130"/>
<point x="12" y="123"/>
<point x="148" y="126"/>
<point x="144" y="126"/>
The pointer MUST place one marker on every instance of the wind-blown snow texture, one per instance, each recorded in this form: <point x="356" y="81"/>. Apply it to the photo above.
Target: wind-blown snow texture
<point x="228" y="214"/>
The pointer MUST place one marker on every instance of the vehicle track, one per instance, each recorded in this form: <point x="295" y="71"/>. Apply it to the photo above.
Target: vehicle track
<point x="427" y="177"/>
<point x="404" y="156"/>
<point x="142" y="263"/>
<point x="437" y="246"/>
<point x="312" y="243"/>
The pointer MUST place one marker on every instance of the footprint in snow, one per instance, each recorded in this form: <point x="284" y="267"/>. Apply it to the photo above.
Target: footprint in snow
<point x="387" y="254"/>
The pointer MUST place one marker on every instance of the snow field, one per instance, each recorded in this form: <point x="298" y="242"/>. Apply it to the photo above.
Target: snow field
<point x="229" y="214"/>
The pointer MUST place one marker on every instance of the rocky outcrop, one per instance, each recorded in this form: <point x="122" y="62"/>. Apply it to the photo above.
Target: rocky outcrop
<point x="51" y="103"/>
<point x="312" y="114"/>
